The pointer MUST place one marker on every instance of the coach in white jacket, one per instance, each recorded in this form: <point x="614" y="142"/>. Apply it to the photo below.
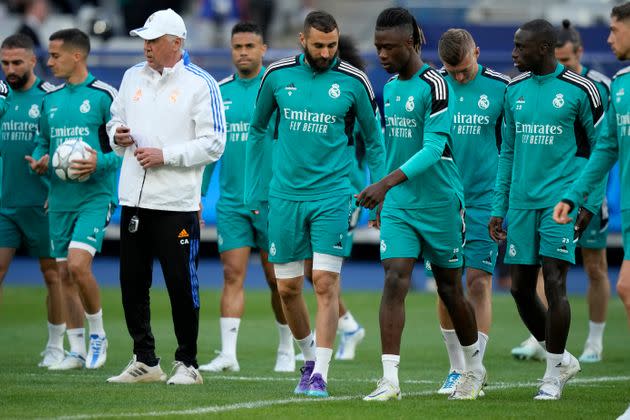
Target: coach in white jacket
<point x="168" y="122"/>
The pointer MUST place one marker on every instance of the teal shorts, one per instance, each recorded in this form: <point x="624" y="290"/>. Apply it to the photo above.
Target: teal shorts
<point x="26" y="226"/>
<point x="82" y="229"/>
<point x="596" y="234"/>
<point x="532" y="234"/>
<point x="480" y="252"/>
<point x="436" y="234"/>
<point x="297" y="229"/>
<point x="238" y="227"/>
<point x="625" y="232"/>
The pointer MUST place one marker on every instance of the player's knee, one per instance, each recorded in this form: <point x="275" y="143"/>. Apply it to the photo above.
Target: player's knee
<point x="596" y="273"/>
<point x="289" y="289"/>
<point x="326" y="284"/>
<point x="233" y="275"/>
<point x="623" y="290"/>
<point x="522" y="294"/>
<point x="396" y="282"/>
<point x="78" y="270"/>
<point x="480" y="286"/>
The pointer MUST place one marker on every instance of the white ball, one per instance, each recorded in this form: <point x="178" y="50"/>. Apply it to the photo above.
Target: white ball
<point x="65" y="154"/>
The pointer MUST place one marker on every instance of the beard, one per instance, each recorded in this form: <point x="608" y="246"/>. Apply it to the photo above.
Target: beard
<point x="17" y="82"/>
<point x="318" y="64"/>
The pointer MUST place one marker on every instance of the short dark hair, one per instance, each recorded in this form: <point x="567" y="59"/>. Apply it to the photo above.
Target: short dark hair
<point x="621" y="12"/>
<point x="320" y="20"/>
<point x="567" y="33"/>
<point x="247" y="27"/>
<point x="454" y="45"/>
<point x="398" y="17"/>
<point x="544" y="31"/>
<point x="18" y="41"/>
<point x="74" y="38"/>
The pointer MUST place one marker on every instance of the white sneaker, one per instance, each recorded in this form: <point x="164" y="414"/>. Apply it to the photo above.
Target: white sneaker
<point x="469" y="385"/>
<point x="137" y="372"/>
<point x="529" y="349"/>
<point x="285" y="362"/>
<point x="448" y="386"/>
<point x="625" y="415"/>
<point x="221" y="363"/>
<point x="184" y="375"/>
<point x="385" y="390"/>
<point x="348" y="342"/>
<point x="592" y="353"/>
<point x="52" y="356"/>
<point x="71" y="361"/>
<point x="97" y="354"/>
<point x="551" y="386"/>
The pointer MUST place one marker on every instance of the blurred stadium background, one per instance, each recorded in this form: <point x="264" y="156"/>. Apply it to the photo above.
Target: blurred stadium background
<point x="492" y="23"/>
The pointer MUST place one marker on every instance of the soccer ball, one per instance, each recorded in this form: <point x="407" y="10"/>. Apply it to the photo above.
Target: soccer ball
<point x="63" y="157"/>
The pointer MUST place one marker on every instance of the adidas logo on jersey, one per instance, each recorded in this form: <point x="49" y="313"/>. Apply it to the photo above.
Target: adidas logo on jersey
<point x="290" y="88"/>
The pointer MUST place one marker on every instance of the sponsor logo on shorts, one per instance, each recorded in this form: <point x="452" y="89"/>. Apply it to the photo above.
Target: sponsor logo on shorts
<point x="272" y="249"/>
<point x="183" y="237"/>
<point x="563" y="249"/>
<point x="488" y="259"/>
<point x="383" y="246"/>
<point x="339" y="244"/>
<point x="454" y="259"/>
<point x="512" y="250"/>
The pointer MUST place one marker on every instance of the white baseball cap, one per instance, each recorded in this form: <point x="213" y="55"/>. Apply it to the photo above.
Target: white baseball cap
<point x="162" y="22"/>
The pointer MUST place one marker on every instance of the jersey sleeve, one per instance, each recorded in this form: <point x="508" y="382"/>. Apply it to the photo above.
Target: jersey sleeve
<point x="43" y="140"/>
<point x="4" y="92"/>
<point x="118" y="117"/>
<point x="255" y="149"/>
<point x="600" y="163"/>
<point x="207" y="177"/>
<point x="208" y="115"/>
<point x="369" y="123"/>
<point x="106" y="160"/>
<point x="592" y="120"/>
<point x="437" y="123"/>
<point x="506" y="162"/>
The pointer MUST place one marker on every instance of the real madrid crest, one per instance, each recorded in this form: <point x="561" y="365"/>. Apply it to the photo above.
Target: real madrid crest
<point x="34" y="111"/>
<point x="85" y="107"/>
<point x="410" y="105"/>
<point x="558" y="101"/>
<point x="483" y="102"/>
<point x="334" y="91"/>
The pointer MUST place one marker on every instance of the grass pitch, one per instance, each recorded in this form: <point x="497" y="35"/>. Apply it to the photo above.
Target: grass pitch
<point x="600" y="391"/>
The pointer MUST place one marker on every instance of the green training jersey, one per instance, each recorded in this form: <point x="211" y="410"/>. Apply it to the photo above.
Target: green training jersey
<point x="18" y="127"/>
<point x="613" y="146"/>
<point x="239" y="99"/>
<point x="551" y="122"/>
<point x="476" y="132"/>
<point x="317" y="111"/>
<point x="79" y="111"/>
<point x="418" y="114"/>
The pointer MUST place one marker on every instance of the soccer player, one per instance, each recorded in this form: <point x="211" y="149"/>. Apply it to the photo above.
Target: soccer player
<point x="422" y="200"/>
<point x="238" y="229"/>
<point x="23" y="218"/>
<point x="613" y="147"/>
<point x="78" y="211"/>
<point x="476" y="132"/>
<point x="552" y="119"/>
<point x="318" y="98"/>
<point x="569" y="52"/>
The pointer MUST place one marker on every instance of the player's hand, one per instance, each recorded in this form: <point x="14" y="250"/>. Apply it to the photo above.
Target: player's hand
<point x="40" y="166"/>
<point x="4" y="90"/>
<point x="149" y="157"/>
<point x="495" y="229"/>
<point x="561" y="213"/>
<point x="85" y="166"/>
<point x="372" y="195"/>
<point x="122" y="136"/>
<point x="583" y="218"/>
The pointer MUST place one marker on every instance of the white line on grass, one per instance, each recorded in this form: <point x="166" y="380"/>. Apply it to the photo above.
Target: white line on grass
<point x="268" y="403"/>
